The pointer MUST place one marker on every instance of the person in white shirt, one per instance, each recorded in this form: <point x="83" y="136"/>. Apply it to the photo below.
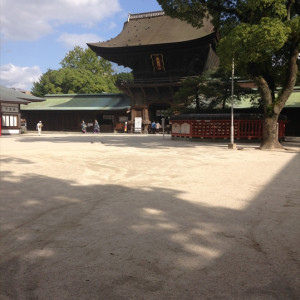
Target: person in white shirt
<point x="157" y="126"/>
<point x="39" y="126"/>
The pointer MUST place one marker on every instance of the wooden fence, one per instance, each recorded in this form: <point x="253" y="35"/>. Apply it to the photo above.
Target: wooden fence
<point x="243" y="129"/>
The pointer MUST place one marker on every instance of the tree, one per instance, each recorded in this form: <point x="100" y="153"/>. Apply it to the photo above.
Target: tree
<point x="82" y="72"/>
<point x="195" y="93"/>
<point x="71" y="81"/>
<point x="199" y="93"/>
<point x="262" y="36"/>
<point x="211" y="91"/>
<point x="78" y="58"/>
<point x="124" y="77"/>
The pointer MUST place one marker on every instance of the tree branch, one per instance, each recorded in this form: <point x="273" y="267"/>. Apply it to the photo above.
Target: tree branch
<point x="291" y="78"/>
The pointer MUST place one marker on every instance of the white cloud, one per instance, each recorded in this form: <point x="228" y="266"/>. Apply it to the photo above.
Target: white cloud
<point x="72" y="40"/>
<point x="19" y="77"/>
<point x="32" y="19"/>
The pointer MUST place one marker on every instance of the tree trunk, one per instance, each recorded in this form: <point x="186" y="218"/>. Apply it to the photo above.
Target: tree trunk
<point x="270" y="134"/>
<point x="272" y="106"/>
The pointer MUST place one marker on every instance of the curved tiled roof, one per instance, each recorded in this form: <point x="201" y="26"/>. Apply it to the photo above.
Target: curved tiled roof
<point x="155" y="28"/>
<point x="103" y="101"/>
<point x="11" y="95"/>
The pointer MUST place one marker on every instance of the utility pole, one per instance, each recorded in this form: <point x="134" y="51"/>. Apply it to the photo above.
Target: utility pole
<point x="232" y="145"/>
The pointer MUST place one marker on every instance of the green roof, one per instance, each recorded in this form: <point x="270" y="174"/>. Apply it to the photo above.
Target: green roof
<point x="292" y="102"/>
<point x="102" y="101"/>
<point x="13" y="96"/>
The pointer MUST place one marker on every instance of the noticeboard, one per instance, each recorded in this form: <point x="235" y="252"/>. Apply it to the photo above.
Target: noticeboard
<point x="138" y="124"/>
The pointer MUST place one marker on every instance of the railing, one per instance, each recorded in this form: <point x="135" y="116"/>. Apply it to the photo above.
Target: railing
<point x="243" y="129"/>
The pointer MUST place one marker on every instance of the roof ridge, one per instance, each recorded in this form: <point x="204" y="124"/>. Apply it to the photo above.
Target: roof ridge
<point x="150" y="14"/>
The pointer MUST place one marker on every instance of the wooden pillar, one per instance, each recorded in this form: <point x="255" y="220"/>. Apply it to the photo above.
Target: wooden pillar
<point x="133" y="115"/>
<point x="143" y="112"/>
<point x="146" y="121"/>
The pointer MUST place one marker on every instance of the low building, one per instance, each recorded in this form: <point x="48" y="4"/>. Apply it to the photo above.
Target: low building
<point x="10" y="115"/>
<point x="65" y="112"/>
<point x="291" y="110"/>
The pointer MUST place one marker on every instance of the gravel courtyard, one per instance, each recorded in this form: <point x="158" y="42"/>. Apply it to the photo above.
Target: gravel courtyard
<point x="129" y="216"/>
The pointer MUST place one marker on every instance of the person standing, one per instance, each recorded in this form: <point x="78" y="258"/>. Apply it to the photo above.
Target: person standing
<point x="39" y="126"/>
<point x="83" y="127"/>
<point x="96" y="127"/>
<point x="157" y="126"/>
<point x="153" y="127"/>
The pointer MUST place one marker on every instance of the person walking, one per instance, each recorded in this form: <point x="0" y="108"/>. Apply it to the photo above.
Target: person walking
<point x="83" y="127"/>
<point x="96" y="127"/>
<point x="39" y="126"/>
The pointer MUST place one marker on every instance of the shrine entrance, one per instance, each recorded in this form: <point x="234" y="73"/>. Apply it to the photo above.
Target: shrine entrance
<point x="161" y="52"/>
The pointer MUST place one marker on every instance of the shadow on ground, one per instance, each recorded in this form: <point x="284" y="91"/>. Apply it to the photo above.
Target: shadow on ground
<point x="73" y="241"/>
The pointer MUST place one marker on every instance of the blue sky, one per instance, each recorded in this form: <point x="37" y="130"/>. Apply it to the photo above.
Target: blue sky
<point x="37" y="34"/>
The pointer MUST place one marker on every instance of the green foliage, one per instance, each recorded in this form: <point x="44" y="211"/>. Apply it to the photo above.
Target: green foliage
<point x="253" y="43"/>
<point x="294" y="26"/>
<point x="82" y="72"/>
<point x="78" y="58"/>
<point x="123" y="77"/>
<point x="193" y="93"/>
<point x="266" y="8"/>
<point x="211" y="92"/>
<point x="263" y="37"/>
<point x="191" y="11"/>
<point x="72" y="81"/>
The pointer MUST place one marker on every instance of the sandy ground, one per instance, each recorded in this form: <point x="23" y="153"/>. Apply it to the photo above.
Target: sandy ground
<point x="141" y="217"/>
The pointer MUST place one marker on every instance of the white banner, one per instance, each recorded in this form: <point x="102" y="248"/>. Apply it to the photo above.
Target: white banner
<point x="138" y="124"/>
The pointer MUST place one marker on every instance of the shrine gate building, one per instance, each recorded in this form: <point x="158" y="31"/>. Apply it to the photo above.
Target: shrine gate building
<point x="161" y="52"/>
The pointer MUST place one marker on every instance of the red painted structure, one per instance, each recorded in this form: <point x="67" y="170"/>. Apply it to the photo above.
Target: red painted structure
<point x="219" y="126"/>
